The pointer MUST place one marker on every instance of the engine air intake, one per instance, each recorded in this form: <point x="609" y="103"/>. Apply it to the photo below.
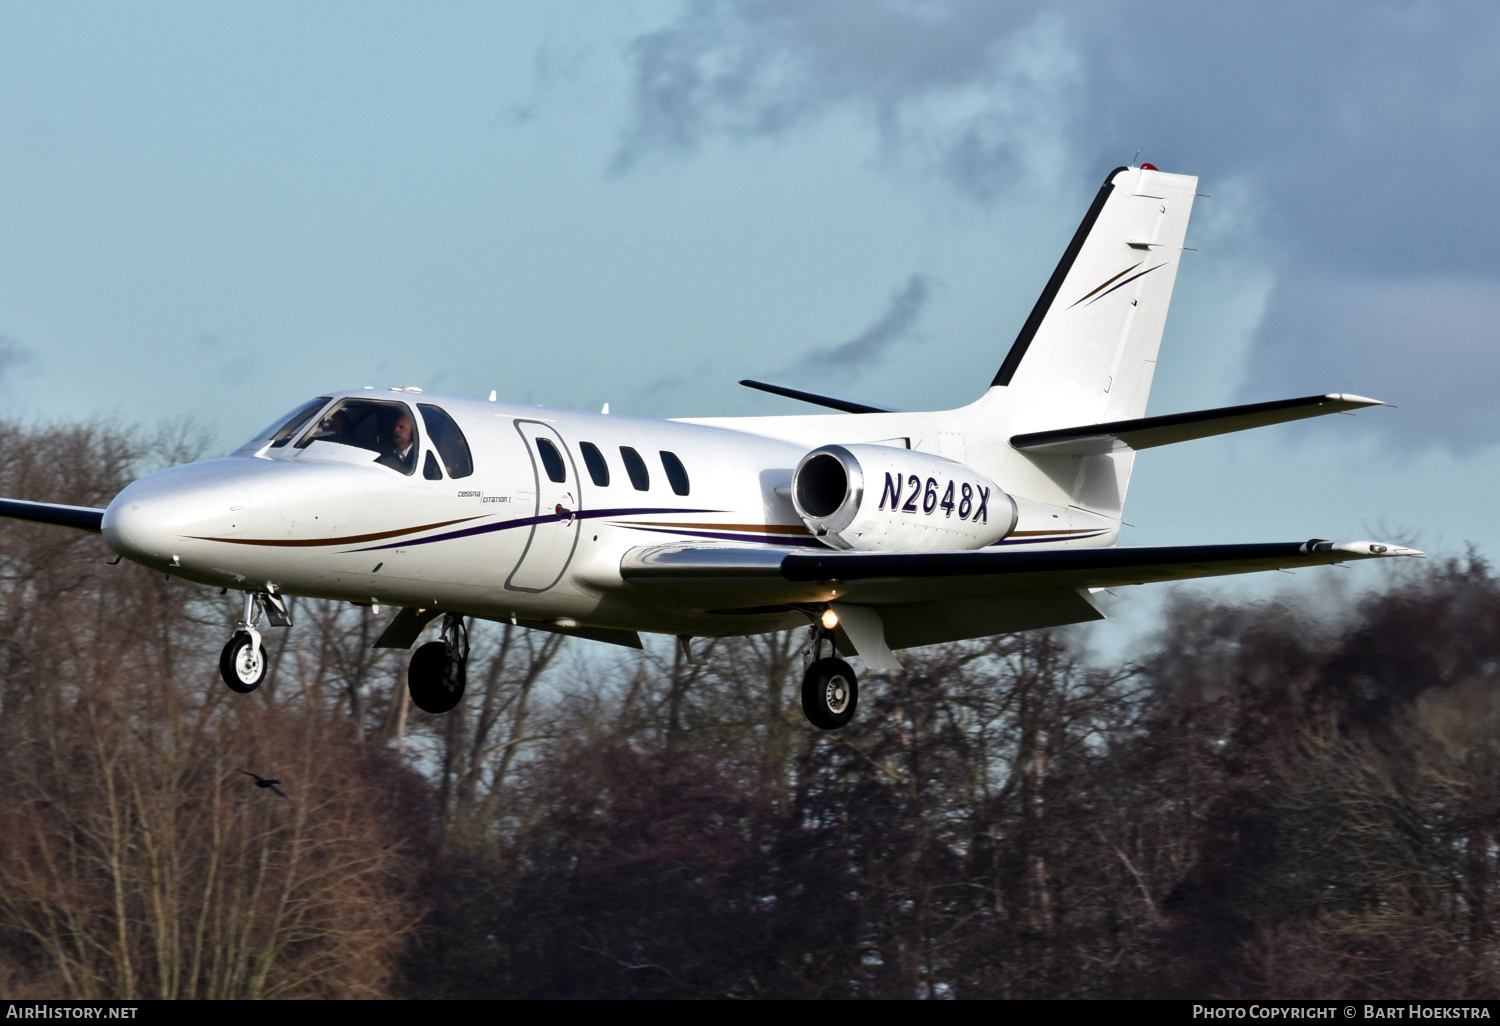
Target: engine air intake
<point x="822" y="484"/>
<point x="879" y="498"/>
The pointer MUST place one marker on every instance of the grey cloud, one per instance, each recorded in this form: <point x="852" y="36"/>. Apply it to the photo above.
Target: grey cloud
<point x="743" y="69"/>
<point x="13" y="357"/>
<point x="1428" y="346"/>
<point x="1368" y="128"/>
<point x="1365" y="133"/>
<point x="864" y="350"/>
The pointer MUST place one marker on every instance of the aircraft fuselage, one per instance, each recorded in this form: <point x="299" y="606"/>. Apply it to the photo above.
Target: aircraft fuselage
<point x="506" y="540"/>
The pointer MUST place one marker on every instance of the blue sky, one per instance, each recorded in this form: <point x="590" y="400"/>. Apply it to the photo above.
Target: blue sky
<point x="220" y="210"/>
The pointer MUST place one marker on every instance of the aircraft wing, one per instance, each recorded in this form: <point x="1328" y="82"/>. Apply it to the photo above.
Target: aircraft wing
<point x="85" y="518"/>
<point x="927" y="597"/>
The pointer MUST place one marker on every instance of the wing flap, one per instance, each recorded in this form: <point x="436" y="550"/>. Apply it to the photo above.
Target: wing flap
<point x="929" y="623"/>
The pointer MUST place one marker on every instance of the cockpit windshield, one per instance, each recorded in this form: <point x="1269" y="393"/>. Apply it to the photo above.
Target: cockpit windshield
<point x="383" y="427"/>
<point x="282" y="429"/>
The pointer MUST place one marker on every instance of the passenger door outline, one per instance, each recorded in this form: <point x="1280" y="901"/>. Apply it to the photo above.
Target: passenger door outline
<point x="552" y="540"/>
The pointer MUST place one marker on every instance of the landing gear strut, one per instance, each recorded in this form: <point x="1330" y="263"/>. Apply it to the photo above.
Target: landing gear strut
<point x="830" y="690"/>
<point x="242" y="664"/>
<point x="439" y="669"/>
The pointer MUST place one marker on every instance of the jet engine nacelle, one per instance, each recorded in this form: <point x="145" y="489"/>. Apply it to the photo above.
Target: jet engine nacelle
<point x="874" y="497"/>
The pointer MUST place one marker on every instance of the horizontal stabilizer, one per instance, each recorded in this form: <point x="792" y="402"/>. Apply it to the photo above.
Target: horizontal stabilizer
<point x="1146" y="432"/>
<point x="818" y="399"/>
<point x="84" y="518"/>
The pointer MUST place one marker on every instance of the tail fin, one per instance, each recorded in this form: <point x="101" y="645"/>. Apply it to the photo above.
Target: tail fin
<point x="1087" y="353"/>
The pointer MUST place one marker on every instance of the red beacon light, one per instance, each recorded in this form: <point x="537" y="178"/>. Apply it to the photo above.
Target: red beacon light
<point x="1148" y="167"/>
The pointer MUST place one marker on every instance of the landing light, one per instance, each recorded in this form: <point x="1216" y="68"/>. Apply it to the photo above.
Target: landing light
<point x="829" y="619"/>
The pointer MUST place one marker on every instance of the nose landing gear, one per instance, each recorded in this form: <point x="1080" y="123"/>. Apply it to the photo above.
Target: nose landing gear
<point x="830" y="689"/>
<point x="439" y="669"/>
<point x="242" y="664"/>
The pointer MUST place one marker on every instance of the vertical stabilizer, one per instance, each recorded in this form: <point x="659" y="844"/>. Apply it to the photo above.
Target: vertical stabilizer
<point x="1087" y="352"/>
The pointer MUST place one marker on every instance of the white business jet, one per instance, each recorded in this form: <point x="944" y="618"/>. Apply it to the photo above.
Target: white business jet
<point x="876" y="529"/>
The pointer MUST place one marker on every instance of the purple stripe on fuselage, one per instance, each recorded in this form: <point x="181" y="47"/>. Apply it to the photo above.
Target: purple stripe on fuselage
<point x="763" y="539"/>
<point x="546" y="518"/>
<point x="1048" y="541"/>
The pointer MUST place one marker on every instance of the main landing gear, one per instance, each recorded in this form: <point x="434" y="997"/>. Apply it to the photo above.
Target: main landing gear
<point x="242" y="664"/>
<point x="439" y="669"/>
<point x="830" y="690"/>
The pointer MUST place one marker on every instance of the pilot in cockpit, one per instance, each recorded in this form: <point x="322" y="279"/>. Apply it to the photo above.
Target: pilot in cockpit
<point x="334" y="428"/>
<point x="402" y="452"/>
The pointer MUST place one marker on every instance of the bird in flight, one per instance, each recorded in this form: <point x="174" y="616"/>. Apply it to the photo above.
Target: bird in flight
<point x="261" y="781"/>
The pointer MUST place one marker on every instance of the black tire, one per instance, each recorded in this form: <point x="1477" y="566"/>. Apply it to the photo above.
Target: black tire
<point x="238" y="666"/>
<point x="435" y="678"/>
<point x="830" y="691"/>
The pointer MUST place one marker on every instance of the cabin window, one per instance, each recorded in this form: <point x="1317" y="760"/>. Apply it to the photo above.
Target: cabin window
<point x="636" y="468"/>
<point x="552" y="460"/>
<point x="281" y="430"/>
<point x="381" y="426"/>
<point x="676" y="472"/>
<point x="448" y="440"/>
<point x="594" y="460"/>
<point x="430" y="468"/>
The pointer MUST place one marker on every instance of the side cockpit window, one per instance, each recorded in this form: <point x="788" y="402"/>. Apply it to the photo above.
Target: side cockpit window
<point x="448" y="440"/>
<point x="383" y="427"/>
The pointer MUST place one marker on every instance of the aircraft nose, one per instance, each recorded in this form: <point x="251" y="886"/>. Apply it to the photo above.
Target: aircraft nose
<point x="130" y="529"/>
<point x="152" y="520"/>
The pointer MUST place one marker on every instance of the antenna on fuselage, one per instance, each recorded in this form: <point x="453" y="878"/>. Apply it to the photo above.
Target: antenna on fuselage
<point x="492" y="395"/>
<point x="606" y="408"/>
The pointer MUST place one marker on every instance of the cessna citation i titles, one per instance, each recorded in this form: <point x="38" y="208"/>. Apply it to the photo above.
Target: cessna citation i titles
<point x="876" y="529"/>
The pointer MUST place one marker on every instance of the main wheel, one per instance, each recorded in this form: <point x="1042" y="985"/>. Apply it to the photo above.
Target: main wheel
<point x="435" y="677"/>
<point x="241" y="666"/>
<point x="829" y="693"/>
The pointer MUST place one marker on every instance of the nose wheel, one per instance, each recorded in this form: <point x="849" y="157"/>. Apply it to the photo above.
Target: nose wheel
<point x="243" y="662"/>
<point x="439" y="669"/>
<point x="830" y="689"/>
